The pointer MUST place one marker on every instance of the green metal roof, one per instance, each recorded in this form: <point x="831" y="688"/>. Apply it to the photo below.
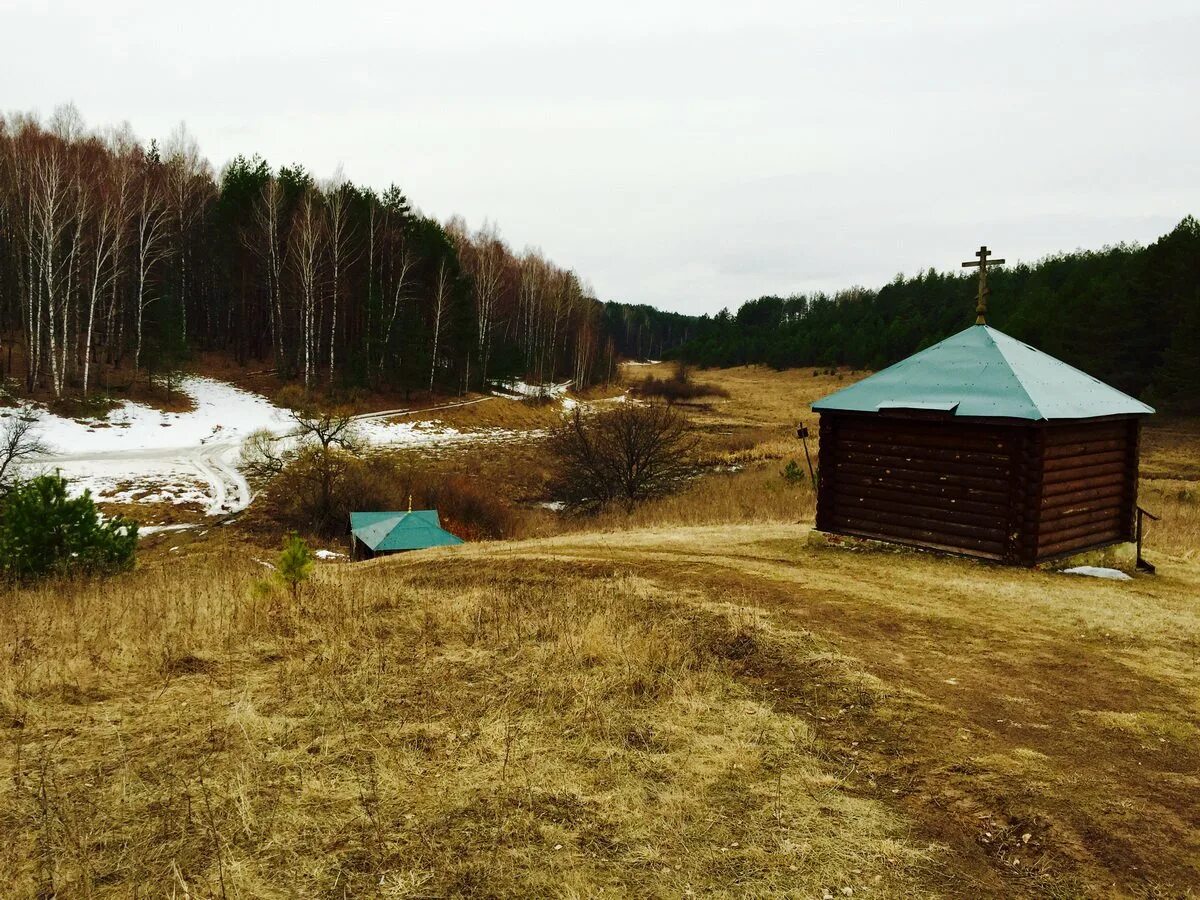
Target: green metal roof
<point x="983" y="372"/>
<point x="414" y="530"/>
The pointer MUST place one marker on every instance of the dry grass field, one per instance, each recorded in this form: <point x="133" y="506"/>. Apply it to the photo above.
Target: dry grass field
<point x="687" y="700"/>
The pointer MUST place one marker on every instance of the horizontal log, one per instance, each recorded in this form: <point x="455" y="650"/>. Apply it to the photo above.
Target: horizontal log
<point x="1091" y="498"/>
<point x="978" y="443"/>
<point x="1070" y="516"/>
<point x="1059" y="531"/>
<point x="886" y="520"/>
<point x="1084" y="448"/>
<point x="1080" y="543"/>
<point x="921" y="535"/>
<point x="1073" y="434"/>
<point x="994" y="509"/>
<point x="932" y="545"/>
<point x="924" y="451"/>
<point x="1082" y="484"/>
<point x="1061" y="463"/>
<point x="922" y="476"/>
<point x="1085" y="471"/>
<point x="941" y="467"/>
<point x="951" y="522"/>
<point x="920" y="488"/>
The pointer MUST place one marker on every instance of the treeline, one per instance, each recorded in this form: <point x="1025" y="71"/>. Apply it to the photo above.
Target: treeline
<point x="116" y="254"/>
<point x="1129" y="315"/>
<point x="643" y="332"/>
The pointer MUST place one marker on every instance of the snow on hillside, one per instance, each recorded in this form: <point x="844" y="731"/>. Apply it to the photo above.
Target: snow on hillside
<point x="143" y="455"/>
<point x="428" y="433"/>
<point x="223" y="412"/>
<point x="518" y="390"/>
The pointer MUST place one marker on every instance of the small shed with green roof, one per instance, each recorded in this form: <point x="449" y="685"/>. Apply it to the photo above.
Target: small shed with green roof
<point x="981" y="445"/>
<point x="379" y="533"/>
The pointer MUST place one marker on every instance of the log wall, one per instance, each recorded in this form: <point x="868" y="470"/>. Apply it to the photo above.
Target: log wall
<point x="936" y="484"/>
<point x="1018" y="492"/>
<point x="1089" y="486"/>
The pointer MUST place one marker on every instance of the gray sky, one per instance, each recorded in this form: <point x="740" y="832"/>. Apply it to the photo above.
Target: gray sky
<point x="691" y="155"/>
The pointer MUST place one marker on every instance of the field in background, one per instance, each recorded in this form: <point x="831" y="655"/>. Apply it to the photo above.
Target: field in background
<point x="683" y="699"/>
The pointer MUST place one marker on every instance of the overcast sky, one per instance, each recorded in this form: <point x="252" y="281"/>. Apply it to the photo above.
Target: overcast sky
<point x="691" y="155"/>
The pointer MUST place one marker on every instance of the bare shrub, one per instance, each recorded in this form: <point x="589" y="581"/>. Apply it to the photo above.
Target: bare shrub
<point x="315" y="457"/>
<point x="679" y="387"/>
<point x="263" y="454"/>
<point x="18" y="443"/>
<point x="296" y="499"/>
<point x="467" y="508"/>
<point x="625" y="455"/>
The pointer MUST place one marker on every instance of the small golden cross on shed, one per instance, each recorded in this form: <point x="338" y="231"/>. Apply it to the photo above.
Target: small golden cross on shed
<point x="982" y="262"/>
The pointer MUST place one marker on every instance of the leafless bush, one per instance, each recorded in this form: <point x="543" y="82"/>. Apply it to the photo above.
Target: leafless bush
<point x="314" y="459"/>
<point x="263" y="454"/>
<point x="679" y="387"/>
<point x="18" y="443"/>
<point x="297" y="498"/>
<point x="621" y="455"/>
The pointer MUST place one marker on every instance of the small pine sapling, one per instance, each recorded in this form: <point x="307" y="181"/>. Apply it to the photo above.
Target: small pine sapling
<point x="295" y="564"/>
<point x="792" y="473"/>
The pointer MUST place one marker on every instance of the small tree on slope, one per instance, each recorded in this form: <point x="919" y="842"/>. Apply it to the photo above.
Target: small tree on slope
<point x="295" y="564"/>
<point x="45" y="532"/>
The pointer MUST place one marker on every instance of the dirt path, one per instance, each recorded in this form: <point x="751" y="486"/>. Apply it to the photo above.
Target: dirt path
<point x="1042" y="727"/>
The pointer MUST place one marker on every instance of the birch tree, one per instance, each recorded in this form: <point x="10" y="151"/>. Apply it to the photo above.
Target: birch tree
<point x="269" y="244"/>
<point x="152" y="232"/>
<point x="340" y="232"/>
<point x="441" y="297"/>
<point x="305" y="254"/>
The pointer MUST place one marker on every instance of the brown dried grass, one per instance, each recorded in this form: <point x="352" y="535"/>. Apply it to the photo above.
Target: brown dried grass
<point x="435" y="728"/>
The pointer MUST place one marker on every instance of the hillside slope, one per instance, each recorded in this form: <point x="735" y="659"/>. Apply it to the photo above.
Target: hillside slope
<point x="718" y="710"/>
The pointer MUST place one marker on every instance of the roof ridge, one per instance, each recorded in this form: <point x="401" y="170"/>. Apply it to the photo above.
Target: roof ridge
<point x="1033" y="404"/>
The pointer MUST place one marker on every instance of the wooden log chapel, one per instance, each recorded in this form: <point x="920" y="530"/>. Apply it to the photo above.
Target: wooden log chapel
<point x="984" y="446"/>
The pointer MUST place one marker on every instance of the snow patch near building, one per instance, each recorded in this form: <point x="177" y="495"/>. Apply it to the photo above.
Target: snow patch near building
<point x="1099" y="572"/>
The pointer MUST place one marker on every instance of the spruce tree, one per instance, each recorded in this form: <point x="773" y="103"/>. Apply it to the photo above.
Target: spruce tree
<point x="43" y="532"/>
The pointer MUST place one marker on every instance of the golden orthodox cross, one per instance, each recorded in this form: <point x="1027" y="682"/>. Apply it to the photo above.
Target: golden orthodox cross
<point x="982" y="262"/>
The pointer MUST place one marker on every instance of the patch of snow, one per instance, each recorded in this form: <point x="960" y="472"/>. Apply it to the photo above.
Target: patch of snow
<point x="177" y="453"/>
<point x="144" y="530"/>
<point x="429" y="433"/>
<point x="517" y="389"/>
<point x="223" y="413"/>
<point x="556" y="505"/>
<point x="142" y="455"/>
<point x="642" y="362"/>
<point x="328" y="554"/>
<point x="1099" y="572"/>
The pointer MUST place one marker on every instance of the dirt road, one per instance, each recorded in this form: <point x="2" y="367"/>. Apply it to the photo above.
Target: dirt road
<point x="1041" y="727"/>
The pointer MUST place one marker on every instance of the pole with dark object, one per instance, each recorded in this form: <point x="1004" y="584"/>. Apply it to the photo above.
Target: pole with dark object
<point x="1141" y="563"/>
<point x="802" y="433"/>
<point x="982" y="264"/>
